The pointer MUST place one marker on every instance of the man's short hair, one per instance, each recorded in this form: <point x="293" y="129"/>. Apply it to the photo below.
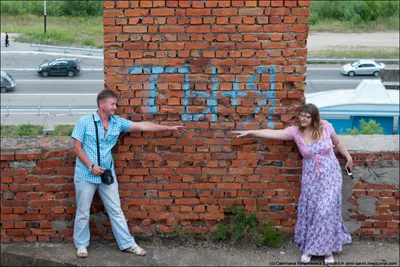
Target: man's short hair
<point x="105" y="94"/>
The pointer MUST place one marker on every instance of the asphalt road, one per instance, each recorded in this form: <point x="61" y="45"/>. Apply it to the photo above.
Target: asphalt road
<point x="49" y="90"/>
<point x="91" y="80"/>
<point x="34" y="91"/>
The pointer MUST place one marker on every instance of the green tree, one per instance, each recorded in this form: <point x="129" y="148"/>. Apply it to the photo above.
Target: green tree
<point x="370" y="127"/>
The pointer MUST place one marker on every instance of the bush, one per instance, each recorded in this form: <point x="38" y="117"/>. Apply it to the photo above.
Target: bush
<point x="269" y="237"/>
<point x="53" y="8"/>
<point x="370" y="127"/>
<point x="242" y="225"/>
<point x="313" y="18"/>
<point x="353" y="11"/>
<point x="221" y="232"/>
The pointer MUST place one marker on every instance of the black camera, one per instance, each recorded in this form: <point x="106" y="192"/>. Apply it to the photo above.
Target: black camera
<point x="107" y="177"/>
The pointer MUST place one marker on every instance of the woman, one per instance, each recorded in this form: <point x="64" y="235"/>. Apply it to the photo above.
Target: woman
<point x="320" y="230"/>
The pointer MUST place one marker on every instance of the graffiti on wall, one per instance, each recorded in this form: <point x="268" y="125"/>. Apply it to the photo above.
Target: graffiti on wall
<point x="210" y="97"/>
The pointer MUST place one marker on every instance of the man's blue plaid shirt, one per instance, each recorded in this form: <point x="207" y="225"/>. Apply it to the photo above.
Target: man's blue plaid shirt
<point x="85" y="132"/>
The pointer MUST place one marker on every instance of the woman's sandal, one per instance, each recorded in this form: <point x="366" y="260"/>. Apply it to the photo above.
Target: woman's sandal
<point x="82" y="252"/>
<point x="329" y="259"/>
<point x="305" y="258"/>
<point x="136" y="250"/>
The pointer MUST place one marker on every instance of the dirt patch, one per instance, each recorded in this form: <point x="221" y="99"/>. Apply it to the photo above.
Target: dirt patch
<point x="343" y="41"/>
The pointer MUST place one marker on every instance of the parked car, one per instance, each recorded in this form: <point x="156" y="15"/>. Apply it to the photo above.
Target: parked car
<point x="7" y="82"/>
<point x="60" y="67"/>
<point x="363" y="67"/>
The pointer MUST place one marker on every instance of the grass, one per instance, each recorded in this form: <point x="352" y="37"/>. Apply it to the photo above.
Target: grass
<point x="34" y="130"/>
<point x="348" y="52"/>
<point x="337" y="26"/>
<point x="73" y="31"/>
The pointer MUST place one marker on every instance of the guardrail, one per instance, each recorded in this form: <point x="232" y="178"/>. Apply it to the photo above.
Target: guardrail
<point x="309" y="60"/>
<point x="40" y="109"/>
<point x="348" y="60"/>
<point x="67" y="48"/>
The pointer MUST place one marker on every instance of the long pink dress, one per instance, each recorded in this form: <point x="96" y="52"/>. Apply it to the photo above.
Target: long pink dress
<point x="320" y="229"/>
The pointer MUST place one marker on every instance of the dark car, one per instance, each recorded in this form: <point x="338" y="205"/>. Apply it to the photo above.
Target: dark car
<point x="7" y="82"/>
<point x="60" y="67"/>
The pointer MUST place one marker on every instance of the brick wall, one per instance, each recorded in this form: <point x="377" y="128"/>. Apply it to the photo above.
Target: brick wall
<point x="213" y="66"/>
<point x="38" y="197"/>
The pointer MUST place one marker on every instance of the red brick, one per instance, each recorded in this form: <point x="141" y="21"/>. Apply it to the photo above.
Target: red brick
<point x="135" y="12"/>
<point x="300" y="11"/>
<point x="7" y="156"/>
<point x="162" y="12"/>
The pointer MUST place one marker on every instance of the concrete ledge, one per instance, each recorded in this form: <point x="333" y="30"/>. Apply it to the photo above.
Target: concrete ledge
<point x="372" y="143"/>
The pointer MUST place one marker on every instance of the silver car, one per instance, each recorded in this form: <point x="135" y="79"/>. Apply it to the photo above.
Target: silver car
<point x="363" y="67"/>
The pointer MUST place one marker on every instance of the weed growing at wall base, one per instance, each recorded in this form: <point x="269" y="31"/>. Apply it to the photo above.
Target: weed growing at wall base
<point x="244" y="226"/>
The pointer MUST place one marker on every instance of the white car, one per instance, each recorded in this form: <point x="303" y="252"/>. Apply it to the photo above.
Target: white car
<point x="363" y="67"/>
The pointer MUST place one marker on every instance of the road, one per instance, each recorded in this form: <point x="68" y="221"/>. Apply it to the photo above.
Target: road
<point x="91" y="80"/>
<point x="34" y="91"/>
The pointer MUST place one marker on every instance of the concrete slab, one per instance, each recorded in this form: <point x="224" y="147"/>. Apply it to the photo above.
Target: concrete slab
<point x="106" y="253"/>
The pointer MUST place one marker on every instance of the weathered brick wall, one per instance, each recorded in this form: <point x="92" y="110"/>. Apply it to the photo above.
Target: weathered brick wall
<point x="38" y="197"/>
<point x="213" y="66"/>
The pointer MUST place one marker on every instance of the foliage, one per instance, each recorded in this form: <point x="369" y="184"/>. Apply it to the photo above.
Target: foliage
<point x="34" y="130"/>
<point x="73" y="8"/>
<point x="221" y="232"/>
<point x="358" y="11"/>
<point x="269" y="236"/>
<point x="178" y="231"/>
<point x="366" y="15"/>
<point x="370" y="127"/>
<point x="242" y="225"/>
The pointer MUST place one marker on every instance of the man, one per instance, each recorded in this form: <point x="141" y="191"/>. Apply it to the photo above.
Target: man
<point x="7" y="43"/>
<point x="87" y="178"/>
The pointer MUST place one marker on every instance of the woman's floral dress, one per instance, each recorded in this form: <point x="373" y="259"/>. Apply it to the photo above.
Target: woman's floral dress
<point x="320" y="229"/>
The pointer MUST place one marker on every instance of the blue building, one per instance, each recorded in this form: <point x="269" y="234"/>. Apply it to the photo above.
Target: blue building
<point x="370" y="100"/>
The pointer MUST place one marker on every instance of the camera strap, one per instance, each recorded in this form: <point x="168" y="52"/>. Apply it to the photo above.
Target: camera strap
<point x="97" y="142"/>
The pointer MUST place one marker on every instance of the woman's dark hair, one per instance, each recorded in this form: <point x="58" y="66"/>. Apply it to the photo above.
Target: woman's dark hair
<point x="316" y="124"/>
<point x="105" y="94"/>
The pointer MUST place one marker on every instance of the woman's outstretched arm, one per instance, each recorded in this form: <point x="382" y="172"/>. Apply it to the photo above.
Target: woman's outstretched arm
<point x="266" y="133"/>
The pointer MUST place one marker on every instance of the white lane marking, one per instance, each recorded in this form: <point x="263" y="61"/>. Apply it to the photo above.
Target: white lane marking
<point x="338" y="69"/>
<point x="51" y="53"/>
<point x="9" y="69"/>
<point x="58" y="81"/>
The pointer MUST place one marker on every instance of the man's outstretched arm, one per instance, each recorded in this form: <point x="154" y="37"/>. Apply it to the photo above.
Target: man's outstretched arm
<point x="145" y="126"/>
